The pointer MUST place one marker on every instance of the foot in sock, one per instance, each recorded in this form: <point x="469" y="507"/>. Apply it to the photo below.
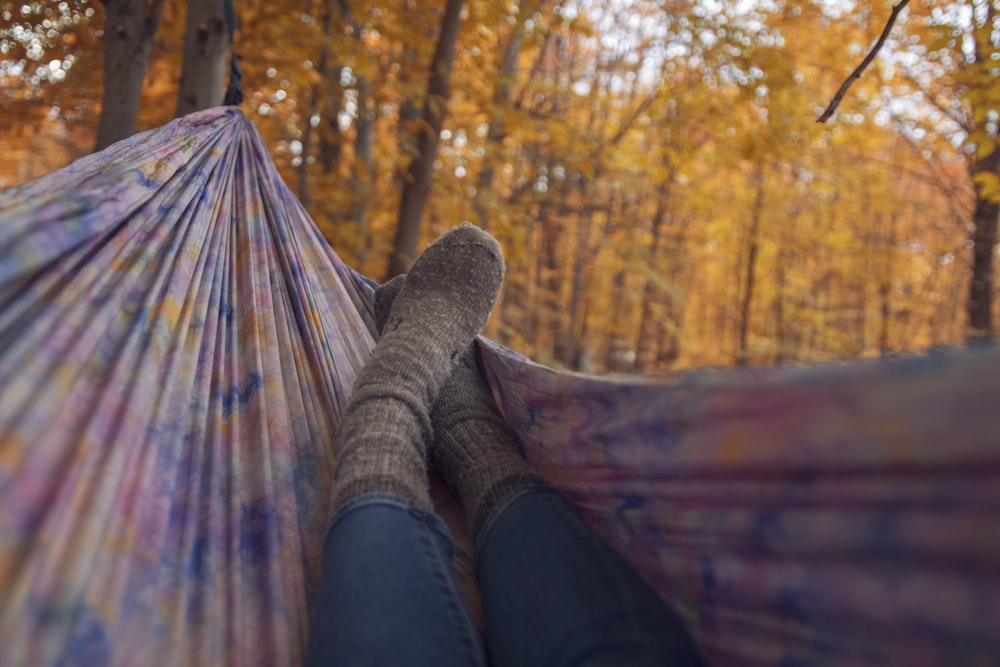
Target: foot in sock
<point x="386" y="428"/>
<point x="474" y="448"/>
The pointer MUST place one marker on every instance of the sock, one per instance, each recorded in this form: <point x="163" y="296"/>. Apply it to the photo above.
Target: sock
<point x="474" y="448"/>
<point x="447" y="298"/>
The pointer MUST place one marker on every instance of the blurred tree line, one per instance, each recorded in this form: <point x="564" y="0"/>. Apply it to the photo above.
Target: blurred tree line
<point x="653" y="168"/>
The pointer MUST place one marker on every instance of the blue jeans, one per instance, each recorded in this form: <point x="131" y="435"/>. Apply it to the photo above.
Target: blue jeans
<point x="554" y="593"/>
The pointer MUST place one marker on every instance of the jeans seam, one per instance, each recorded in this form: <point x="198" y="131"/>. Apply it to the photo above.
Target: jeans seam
<point x="441" y="575"/>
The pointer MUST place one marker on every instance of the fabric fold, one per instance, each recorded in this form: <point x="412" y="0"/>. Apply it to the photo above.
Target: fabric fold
<point x="177" y="342"/>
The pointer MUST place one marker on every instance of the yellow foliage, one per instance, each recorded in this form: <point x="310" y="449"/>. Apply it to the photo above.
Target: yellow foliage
<point x="652" y="169"/>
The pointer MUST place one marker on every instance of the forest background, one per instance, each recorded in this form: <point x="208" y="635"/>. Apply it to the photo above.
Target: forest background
<point x="654" y="169"/>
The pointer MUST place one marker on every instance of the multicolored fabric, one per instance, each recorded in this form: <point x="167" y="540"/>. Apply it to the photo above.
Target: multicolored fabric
<point x="840" y="515"/>
<point x="177" y="341"/>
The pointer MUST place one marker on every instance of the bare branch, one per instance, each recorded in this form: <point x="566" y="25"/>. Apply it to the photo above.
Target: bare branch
<point x="633" y="117"/>
<point x="835" y="102"/>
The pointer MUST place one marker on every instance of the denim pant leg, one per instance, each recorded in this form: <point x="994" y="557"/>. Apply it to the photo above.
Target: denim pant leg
<point x="388" y="594"/>
<point x="554" y="593"/>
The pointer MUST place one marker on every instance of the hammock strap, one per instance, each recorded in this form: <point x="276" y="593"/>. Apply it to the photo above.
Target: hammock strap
<point x="234" y="91"/>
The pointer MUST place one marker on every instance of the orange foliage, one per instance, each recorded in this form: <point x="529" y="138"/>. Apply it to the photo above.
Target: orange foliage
<point x="653" y="169"/>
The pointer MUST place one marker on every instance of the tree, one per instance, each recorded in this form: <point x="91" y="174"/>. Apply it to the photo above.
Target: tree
<point x="207" y="43"/>
<point x="958" y="77"/>
<point x="129" y="29"/>
<point x="980" y="91"/>
<point x="319" y="99"/>
<point x="653" y="169"/>
<point x="503" y="88"/>
<point x="417" y="187"/>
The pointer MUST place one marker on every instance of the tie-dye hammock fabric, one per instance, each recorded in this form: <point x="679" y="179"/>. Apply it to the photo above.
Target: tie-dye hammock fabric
<point x="176" y="344"/>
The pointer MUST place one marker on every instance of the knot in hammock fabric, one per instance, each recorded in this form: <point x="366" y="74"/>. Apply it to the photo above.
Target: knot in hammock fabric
<point x="177" y="341"/>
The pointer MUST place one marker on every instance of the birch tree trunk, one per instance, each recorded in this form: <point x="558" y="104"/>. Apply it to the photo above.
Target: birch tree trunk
<point x="130" y="26"/>
<point x="207" y="43"/>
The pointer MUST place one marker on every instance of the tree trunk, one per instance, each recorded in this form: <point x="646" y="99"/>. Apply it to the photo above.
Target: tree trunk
<point x="316" y="104"/>
<point x="984" y="240"/>
<point x="618" y="356"/>
<point x="650" y="322"/>
<point x="546" y="313"/>
<point x="362" y="176"/>
<point x="496" y="131"/>
<point x="584" y="254"/>
<point x="130" y="27"/>
<point x="207" y="43"/>
<point x="888" y="242"/>
<point x="657" y="344"/>
<point x="304" y="195"/>
<point x="984" y="237"/>
<point x="417" y="188"/>
<point x="779" y="307"/>
<point x="331" y="138"/>
<point x="582" y="259"/>
<point x="584" y="251"/>
<point x="751" y="267"/>
<point x="559" y="322"/>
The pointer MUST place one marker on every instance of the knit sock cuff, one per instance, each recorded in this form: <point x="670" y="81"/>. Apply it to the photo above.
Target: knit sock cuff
<point x="377" y="483"/>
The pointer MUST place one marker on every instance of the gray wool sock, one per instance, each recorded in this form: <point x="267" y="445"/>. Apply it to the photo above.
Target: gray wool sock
<point x="447" y="298"/>
<point x="476" y="451"/>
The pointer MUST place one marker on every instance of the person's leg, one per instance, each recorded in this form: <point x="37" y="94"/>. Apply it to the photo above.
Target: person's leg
<point x="388" y="595"/>
<point x="554" y="593"/>
<point x="474" y="448"/>
<point x="386" y="429"/>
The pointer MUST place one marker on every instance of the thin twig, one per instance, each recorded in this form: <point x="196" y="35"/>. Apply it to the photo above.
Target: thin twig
<point x="835" y="102"/>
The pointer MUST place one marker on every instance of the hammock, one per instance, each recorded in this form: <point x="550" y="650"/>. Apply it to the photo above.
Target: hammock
<point x="176" y="344"/>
